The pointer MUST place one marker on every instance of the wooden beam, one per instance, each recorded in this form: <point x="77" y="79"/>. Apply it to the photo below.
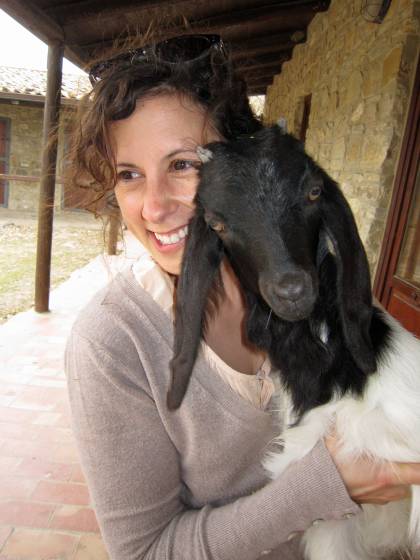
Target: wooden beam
<point x="257" y="90"/>
<point x="274" y="45"/>
<point x="116" y="22"/>
<point x="48" y="175"/>
<point x="68" y="11"/>
<point x="259" y="83"/>
<point x="264" y="60"/>
<point x="34" y="19"/>
<point x="260" y="73"/>
<point x="264" y="45"/>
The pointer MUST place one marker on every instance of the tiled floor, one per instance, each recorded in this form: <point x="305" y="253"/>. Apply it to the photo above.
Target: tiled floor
<point x="45" y="511"/>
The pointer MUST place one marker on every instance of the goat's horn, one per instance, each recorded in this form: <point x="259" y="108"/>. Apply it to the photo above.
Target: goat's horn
<point x="204" y="154"/>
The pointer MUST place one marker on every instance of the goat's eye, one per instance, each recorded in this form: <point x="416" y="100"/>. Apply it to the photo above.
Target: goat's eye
<point x="214" y="223"/>
<point x="314" y="193"/>
<point x="217" y="226"/>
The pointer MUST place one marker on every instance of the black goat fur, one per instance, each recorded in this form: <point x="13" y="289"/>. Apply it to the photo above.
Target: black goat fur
<point x="291" y="238"/>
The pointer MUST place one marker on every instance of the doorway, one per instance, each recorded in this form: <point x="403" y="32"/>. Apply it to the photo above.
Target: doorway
<point x="397" y="283"/>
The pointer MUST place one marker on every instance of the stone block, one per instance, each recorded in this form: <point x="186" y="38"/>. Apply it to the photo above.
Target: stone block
<point x="372" y="75"/>
<point x="391" y="65"/>
<point x="338" y="149"/>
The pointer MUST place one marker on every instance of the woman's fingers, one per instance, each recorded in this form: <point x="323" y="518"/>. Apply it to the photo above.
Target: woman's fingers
<point x="383" y="495"/>
<point x="405" y="473"/>
<point x="373" y="482"/>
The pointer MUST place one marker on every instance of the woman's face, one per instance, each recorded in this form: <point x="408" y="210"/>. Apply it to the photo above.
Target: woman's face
<point x="157" y="172"/>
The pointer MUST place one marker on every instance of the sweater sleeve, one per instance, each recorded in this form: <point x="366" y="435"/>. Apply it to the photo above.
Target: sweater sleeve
<point x="133" y="473"/>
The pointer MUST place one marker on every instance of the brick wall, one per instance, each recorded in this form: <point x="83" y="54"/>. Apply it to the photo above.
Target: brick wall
<point x="359" y="75"/>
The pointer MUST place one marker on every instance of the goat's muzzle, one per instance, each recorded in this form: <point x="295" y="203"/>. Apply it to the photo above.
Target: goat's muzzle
<point x="291" y="295"/>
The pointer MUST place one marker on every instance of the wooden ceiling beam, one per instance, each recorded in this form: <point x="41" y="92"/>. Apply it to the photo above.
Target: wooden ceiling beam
<point x="274" y="45"/>
<point x="267" y="43"/>
<point x="259" y="61"/>
<point x="229" y="24"/>
<point x="286" y="39"/>
<point x="260" y="72"/>
<point x="257" y="90"/>
<point x="74" y="8"/>
<point x="76" y="11"/>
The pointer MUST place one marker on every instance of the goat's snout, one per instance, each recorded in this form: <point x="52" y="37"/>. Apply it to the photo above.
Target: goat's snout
<point x="291" y="295"/>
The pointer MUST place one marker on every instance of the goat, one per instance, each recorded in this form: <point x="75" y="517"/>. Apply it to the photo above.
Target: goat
<point x="291" y="238"/>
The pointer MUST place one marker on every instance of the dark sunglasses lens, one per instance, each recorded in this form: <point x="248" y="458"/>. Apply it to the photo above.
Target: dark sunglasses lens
<point x="186" y="48"/>
<point x="183" y="49"/>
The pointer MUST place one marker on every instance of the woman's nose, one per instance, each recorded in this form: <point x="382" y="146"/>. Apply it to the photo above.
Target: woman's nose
<point x="158" y="202"/>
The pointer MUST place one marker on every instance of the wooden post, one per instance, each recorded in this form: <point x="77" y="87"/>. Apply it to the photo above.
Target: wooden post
<point x="113" y="230"/>
<point x="48" y="175"/>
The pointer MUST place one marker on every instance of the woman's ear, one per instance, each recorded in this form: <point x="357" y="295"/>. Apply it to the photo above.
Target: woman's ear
<point x="354" y="296"/>
<point x="202" y="257"/>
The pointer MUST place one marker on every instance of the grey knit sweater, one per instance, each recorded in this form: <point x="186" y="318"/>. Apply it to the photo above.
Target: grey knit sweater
<point x="184" y="485"/>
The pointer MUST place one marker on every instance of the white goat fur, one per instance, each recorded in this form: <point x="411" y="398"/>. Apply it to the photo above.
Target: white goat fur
<point x="383" y="424"/>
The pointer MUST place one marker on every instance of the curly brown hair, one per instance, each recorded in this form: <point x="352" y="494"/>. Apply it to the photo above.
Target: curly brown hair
<point x="210" y="82"/>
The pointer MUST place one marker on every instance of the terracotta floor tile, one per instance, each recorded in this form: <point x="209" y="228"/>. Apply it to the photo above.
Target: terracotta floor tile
<point x="38" y="381"/>
<point x="75" y="518"/>
<point x="8" y="414"/>
<point x="91" y="547"/>
<point x="11" y="430"/>
<point x="77" y="475"/>
<point x="23" y="448"/>
<point x="10" y="389"/>
<point x="10" y="465"/>
<point x="47" y="418"/>
<point x="64" y="453"/>
<point x="39" y="398"/>
<point x="41" y="482"/>
<point x="53" y="434"/>
<point x="26" y="544"/>
<point x="61" y="493"/>
<point x="25" y="514"/>
<point x="6" y="401"/>
<point x="13" y="377"/>
<point x="5" y="533"/>
<point x="41" y="468"/>
<point x="16" y="488"/>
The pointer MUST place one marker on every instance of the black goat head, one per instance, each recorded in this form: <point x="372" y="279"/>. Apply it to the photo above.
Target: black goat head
<point x="264" y="204"/>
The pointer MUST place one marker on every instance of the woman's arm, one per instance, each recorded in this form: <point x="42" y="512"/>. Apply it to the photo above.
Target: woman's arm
<point x="133" y="473"/>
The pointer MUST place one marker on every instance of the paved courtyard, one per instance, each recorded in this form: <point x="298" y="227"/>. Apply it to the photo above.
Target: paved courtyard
<point x="45" y="510"/>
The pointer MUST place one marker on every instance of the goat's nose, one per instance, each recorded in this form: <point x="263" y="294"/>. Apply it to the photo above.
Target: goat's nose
<point x="291" y="286"/>
<point x="291" y="295"/>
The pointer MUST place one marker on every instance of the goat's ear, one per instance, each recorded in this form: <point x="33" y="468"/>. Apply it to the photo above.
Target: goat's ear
<point x="202" y="257"/>
<point x="353" y="278"/>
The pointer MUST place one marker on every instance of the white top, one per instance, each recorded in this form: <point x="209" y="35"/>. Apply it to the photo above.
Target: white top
<point x="257" y="389"/>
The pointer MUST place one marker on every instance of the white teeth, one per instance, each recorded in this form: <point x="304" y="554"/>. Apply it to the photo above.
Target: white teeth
<point x="173" y="238"/>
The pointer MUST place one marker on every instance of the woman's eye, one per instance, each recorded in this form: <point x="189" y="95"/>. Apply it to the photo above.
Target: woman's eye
<point x="127" y="175"/>
<point x="185" y="164"/>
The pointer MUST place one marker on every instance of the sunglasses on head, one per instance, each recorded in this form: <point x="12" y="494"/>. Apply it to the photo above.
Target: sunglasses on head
<point x="181" y="49"/>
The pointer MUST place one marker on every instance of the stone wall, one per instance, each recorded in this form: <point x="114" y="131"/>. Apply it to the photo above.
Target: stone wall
<point x="359" y="76"/>
<point x="25" y="155"/>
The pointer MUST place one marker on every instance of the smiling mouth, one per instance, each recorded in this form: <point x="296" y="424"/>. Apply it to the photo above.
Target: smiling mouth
<point x="171" y="238"/>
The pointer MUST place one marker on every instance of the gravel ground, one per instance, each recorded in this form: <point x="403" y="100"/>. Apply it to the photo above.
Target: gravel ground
<point x="75" y="243"/>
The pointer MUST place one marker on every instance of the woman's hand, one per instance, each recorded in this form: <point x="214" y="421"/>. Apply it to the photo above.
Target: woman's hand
<point x="373" y="483"/>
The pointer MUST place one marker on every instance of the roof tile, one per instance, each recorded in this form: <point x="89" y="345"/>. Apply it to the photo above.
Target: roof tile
<point x="33" y="82"/>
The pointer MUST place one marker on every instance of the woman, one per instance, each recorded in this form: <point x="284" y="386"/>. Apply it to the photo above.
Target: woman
<point x="186" y="484"/>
